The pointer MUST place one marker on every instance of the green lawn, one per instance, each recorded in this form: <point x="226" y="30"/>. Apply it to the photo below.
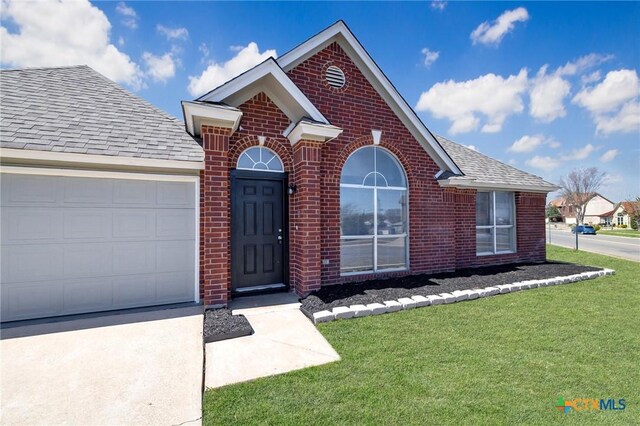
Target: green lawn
<point x="497" y="360"/>
<point x="621" y="233"/>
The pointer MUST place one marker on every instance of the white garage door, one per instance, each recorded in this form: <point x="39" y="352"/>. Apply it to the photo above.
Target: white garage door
<point x="75" y="244"/>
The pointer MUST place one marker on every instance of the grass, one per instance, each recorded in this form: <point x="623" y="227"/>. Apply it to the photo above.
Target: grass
<point x="497" y="360"/>
<point x="621" y="233"/>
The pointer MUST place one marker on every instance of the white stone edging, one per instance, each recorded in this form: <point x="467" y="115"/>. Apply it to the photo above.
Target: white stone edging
<point x="403" y="303"/>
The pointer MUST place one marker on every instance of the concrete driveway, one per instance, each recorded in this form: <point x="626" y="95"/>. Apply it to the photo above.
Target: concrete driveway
<point x="136" y="368"/>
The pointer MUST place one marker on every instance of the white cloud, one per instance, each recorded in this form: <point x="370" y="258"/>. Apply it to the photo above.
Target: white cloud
<point x="580" y="153"/>
<point x="591" y="78"/>
<point x="609" y="155"/>
<point x="613" y="103"/>
<point x="64" y="32"/>
<point x="547" y="95"/>
<point x="173" y="33"/>
<point x="429" y="57"/>
<point x="217" y="74"/>
<point x="544" y="163"/>
<point x="129" y="15"/>
<point x="527" y="143"/>
<point x="120" y="41"/>
<point x="583" y="63"/>
<point x="492" y="33"/>
<point x="438" y="4"/>
<point x="159" y="68"/>
<point x="490" y="95"/>
<point x="472" y="147"/>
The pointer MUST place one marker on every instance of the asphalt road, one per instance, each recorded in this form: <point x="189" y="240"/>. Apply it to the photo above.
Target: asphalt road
<point x="627" y="248"/>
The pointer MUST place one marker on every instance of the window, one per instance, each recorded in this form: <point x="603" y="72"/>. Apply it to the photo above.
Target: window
<point x="373" y="213"/>
<point x="495" y="223"/>
<point x="260" y="158"/>
<point x="620" y="218"/>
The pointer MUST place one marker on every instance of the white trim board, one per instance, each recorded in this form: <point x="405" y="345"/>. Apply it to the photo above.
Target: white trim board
<point x="12" y="156"/>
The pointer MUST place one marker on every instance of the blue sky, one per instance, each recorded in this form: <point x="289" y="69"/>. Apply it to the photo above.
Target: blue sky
<point x="544" y="86"/>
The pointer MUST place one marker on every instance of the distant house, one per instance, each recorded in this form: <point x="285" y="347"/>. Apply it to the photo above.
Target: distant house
<point x="596" y="207"/>
<point x="624" y="211"/>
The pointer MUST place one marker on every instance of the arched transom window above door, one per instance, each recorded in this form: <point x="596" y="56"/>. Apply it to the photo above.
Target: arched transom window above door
<point x="260" y="158"/>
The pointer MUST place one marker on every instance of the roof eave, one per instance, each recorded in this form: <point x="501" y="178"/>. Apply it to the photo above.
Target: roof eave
<point x="469" y="183"/>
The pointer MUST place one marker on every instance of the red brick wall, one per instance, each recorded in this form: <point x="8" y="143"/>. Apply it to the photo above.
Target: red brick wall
<point x="441" y="221"/>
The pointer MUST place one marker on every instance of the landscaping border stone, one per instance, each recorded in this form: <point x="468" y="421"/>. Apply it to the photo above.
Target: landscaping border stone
<point x="404" y="303"/>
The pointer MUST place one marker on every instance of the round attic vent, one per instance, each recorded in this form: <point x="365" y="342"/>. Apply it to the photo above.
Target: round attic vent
<point x="335" y="77"/>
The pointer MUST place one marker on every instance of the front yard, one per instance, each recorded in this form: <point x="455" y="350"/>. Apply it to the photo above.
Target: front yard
<point x="631" y="233"/>
<point x="496" y="360"/>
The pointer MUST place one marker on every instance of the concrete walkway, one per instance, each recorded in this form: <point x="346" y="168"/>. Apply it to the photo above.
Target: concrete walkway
<point x="284" y="340"/>
<point x="138" y="368"/>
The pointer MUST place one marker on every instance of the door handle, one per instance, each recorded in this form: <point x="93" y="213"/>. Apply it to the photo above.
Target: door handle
<point x="279" y="239"/>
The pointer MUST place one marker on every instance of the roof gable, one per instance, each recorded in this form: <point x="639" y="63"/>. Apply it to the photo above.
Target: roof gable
<point x="341" y="34"/>
<point x="270" y="79"/>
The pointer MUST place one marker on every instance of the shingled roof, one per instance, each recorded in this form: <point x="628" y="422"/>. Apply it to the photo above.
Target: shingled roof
<point x="77" y="110"/>
<point x="487" y="171"/>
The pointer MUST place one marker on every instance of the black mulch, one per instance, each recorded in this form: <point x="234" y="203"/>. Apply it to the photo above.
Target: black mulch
<point x="219" y="324"/>
<point x="423" y="285"/>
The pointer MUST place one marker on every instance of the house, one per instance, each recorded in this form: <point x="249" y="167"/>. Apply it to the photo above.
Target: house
<point x="624" y="212"/>
<point x="594" y="211"/>
<point x="304" y="171"/>
<point x="318" y="172"/>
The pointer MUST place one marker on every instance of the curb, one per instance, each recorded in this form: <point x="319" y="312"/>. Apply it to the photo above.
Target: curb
<point x="404" y="303"/>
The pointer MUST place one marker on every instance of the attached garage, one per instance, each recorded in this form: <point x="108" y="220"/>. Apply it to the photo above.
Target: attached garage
<point x="95" y="216"/>
<point x="81" y="244"/>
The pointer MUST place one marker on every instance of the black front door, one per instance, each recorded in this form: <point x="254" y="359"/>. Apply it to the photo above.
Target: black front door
<point x="257" y="231"/>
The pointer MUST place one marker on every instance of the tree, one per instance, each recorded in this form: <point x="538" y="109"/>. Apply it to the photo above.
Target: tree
<point x="579" y="187"/>
<point x="635" y="214"/>
<point x="553" y="213"/>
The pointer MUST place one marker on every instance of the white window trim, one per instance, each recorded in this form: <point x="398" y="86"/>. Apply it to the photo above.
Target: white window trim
<point x="495" y="227"/>
<point x="275" y="155"/>
<point x="375" y="235"/>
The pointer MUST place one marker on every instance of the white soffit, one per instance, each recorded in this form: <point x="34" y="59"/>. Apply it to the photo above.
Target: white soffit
<point x="313" y="132"/>
<point x="339" y="32"/>
<point x="198" y="113"/>
<point x="269" y="78"/>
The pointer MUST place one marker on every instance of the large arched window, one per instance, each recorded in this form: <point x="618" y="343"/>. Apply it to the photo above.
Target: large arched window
<point x="373" y="212"/>
<point x="260" y="158"/>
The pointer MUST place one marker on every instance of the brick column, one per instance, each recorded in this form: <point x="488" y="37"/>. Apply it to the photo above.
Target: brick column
<point x="215" y="218"/>
<point x="305" y="241"/>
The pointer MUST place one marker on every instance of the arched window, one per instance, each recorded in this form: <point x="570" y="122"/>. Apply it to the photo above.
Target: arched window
<point x="260" y="158"/>
<point x="373" y="212"/>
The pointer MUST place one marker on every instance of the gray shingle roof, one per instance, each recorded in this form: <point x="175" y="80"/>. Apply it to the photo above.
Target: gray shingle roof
<point x="487" y="170"/>
<point x="77" y="110"/>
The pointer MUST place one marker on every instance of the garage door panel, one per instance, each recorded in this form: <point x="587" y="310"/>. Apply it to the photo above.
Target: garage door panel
<point x="174" y="194"/>
<point x="75" y="244"/>
<point x="174" y="256"/>
<point x="86" y="295"/>
<point x="22" y="224"/>
<point x="31" y="262"/>
<point x="134" y="258"/>
<point x="172" y="286"/>
<point x="134" y="291"/>
<point x="175" y="224"/>
<point x="87" y="191"/>
<point x="25" y="190"/>
<point x="89" y="224"/>
<point x="134" y="223"/>
<point x="87" y="260"/>
<point x="134" y="193"/>
<point x="31" y="300"/>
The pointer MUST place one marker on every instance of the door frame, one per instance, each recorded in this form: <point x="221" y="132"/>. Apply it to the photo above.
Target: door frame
<point x="260" y="175"/>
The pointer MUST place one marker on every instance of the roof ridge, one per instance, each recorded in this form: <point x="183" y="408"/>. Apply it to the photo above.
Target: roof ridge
<point x="55" y="67"/>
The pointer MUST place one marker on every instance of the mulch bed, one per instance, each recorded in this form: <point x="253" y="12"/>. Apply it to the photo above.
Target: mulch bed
<point x="219" y="324"/>
<point x="381" y="290"/>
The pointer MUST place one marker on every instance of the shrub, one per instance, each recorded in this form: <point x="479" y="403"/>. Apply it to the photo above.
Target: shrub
<point x="623" y="226"/>
<point x="597" y="228"/>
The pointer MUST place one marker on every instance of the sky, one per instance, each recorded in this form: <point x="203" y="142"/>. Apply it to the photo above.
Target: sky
<point x="547" y="87"/>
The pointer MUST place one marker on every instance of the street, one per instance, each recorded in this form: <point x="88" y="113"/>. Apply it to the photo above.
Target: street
<point x="627" y="248"/>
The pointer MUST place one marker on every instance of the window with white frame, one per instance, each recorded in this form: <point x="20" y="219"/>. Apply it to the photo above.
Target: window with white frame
<point x="620" y="218"/>
<point x="373" y="213"/>
<point x="260" y="158"/>
<point x="495" y="223"/>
